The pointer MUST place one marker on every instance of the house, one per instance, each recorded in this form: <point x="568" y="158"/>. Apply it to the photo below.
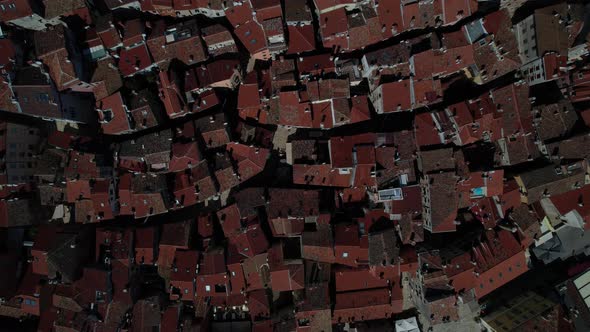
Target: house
<point x="318" y="245"/>
<point x="134" y="56"/>
<point x="218" y="40"/>
<point x="440" y="202"/>
<point x="7" y="59"/>
<point x="285" y="274"/>
<point x="550" y="180"/>
<point x="55" y="49"/>
<point x="315" y="65"/>
<point x="37" y="16"/>
<point x="211" y="9"/>
<point x="225" y="172"/>
<point x="184" y="155"/>
<point x="365" y="304"/>
<point x="19" y="145"/>
<point x="144" y="245"/>
<point x="391" y="57"/>
<point x="300" y="29"/>
<point x="18" y="212"/>
<point x="34" y="95"/>
<point x="61" y="252"/>
<point x="174" y="236"/>
<point x="153" y="151"/>
<point x="475" y="120"/>
<point x="554" y="120"/>
<point x="196" y="186"/>
<point x="406" y="95"/>
<point x="180" y="41"/>
<point x="93" y="49"/>
<point x="542" y="32"/>
<point x="513" y="102"/>
<point x="114" y="245"/>
<point x="171" y="96"/>
<point x="86" y="166"/>
<point x="113" y="115"/>
<point x="275" y="35"/>
<point x="106" y="79"/>
<point x="497" y="54"/>
<point x="146" y="312"/>
<point x="212" y="130"/>
<point x="250" y="160"/>
<point x="383" y="249"/>
<point x="225" y="73"/>
<point x="515" y="150"/>
<point x="212" y="279"/>
<point x="283" y="74"/>
<point x="347" y="245"/>
<point x="185" y="268"/>
<point x="455" y="11"/>
<point x="107" y="32"/>
<point x="499" y="259"/>
<point x="250" y="241"/>
<point x="26" y="299"/>
<point x="573" y="148"/>
<point x="144" y="110"/>
<point x="579" y="90"/>
<point x="289" y="209"/>
<point x="442" y="63"/>
<point x="143" y="195"/>
<point x="546" y="68"/>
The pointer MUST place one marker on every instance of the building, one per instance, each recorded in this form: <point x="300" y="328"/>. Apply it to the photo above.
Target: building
<point x="19" y="145"/>
<point x="542" y="32"/>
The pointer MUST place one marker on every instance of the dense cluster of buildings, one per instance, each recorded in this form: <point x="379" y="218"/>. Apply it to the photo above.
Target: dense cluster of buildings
<point x="266" y="165"/>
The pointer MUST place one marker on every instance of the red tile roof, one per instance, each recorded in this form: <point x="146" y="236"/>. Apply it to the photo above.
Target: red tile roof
<point x="498" y="265"/>
<point x="252" y="36"/>
<point x="301" y="39"/>
<point x="287" y="278"/>
<point x="171" y="97"/>
<point x="184" y="155"/>
<point x="134" y="59"/>
<point x="349" y="279"/>
<point x="456" y="10"/>
<point x="113" y="116"/>
<point x="293" y="111"/>
<point x="363" y="305"/>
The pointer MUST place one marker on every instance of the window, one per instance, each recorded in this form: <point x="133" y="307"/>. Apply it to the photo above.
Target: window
<point x="345" y="254"/>
<point x="43" y="97"/>
<point x="186" y="291"/>
<point x="99" y="296"/>
<point x="207" y="288"/>
<point x="30" y="302"/>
